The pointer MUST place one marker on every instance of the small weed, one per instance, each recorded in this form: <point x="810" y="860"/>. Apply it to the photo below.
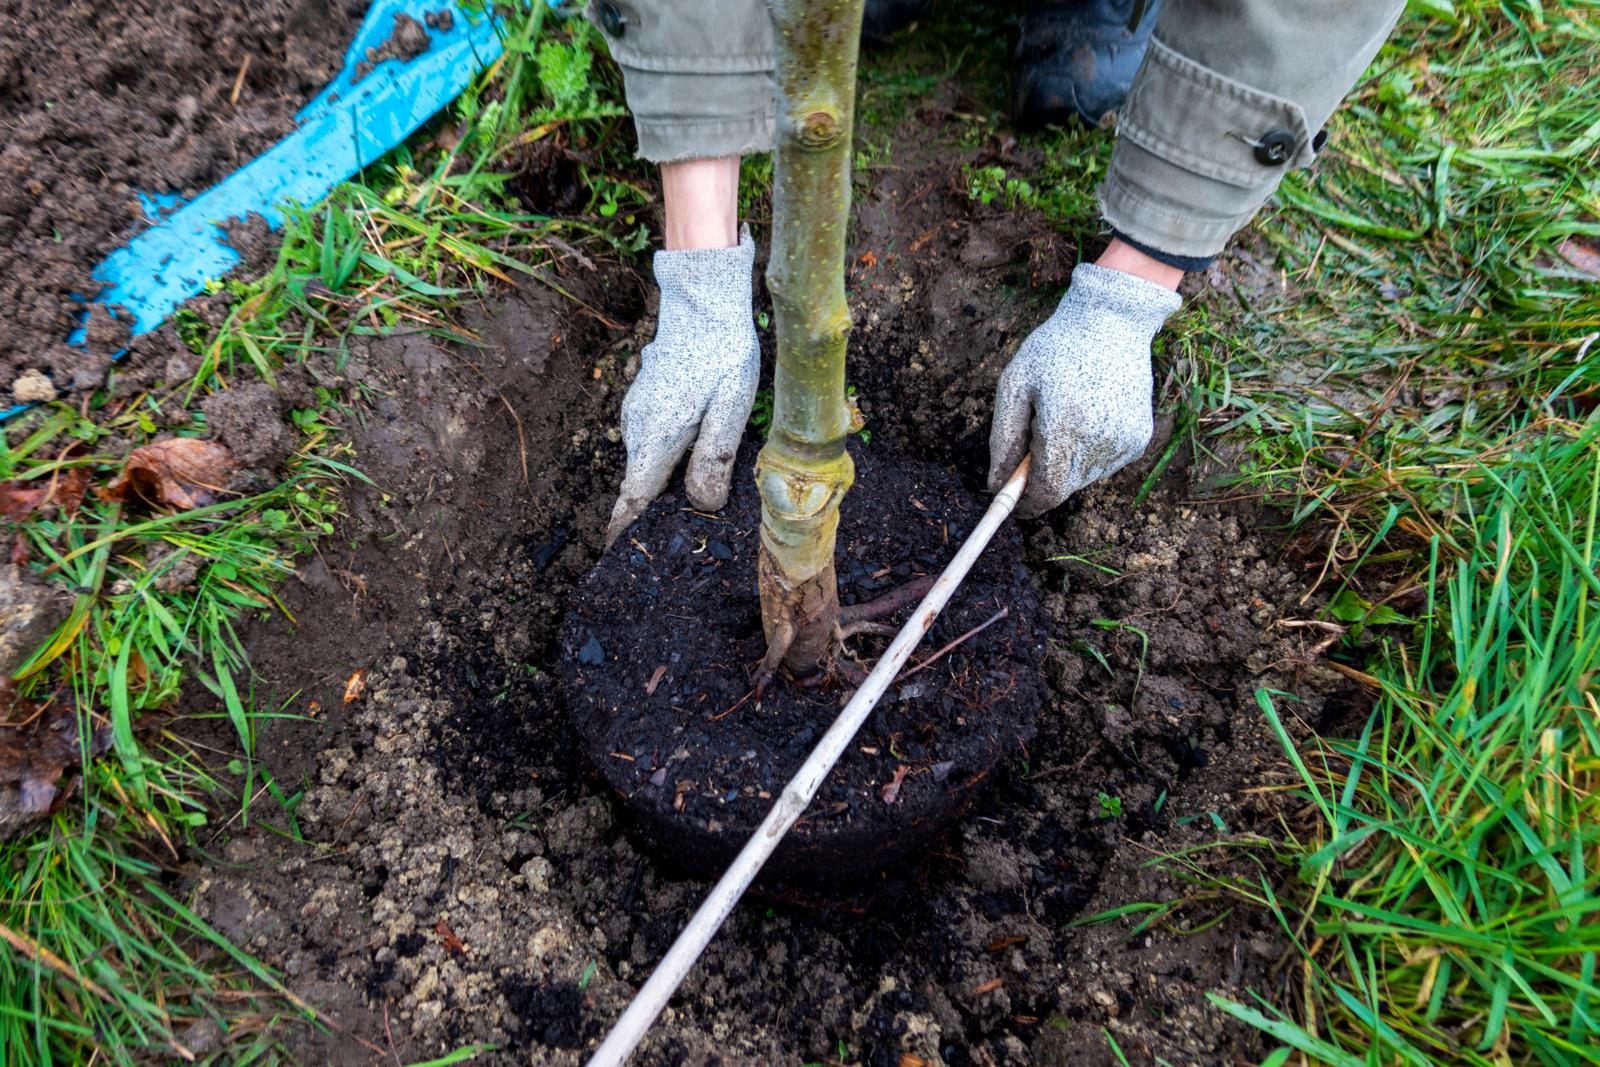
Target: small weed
<point x="1118" y="626"/>
<point x="761" y="412"/>
<point x="1108" y="806"/>
<point x="464" y="1054"/>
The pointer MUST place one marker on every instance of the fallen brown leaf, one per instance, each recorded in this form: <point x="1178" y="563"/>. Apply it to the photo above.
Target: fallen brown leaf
<point x="1000" y="944"/>
<point x="891" y="792"/>
<point x="447" y="937"/>
<point x="655" y="680"/>
<point x="20" y="499"/>
<point x="908" y="1059"/>
<point x="986" y="987"/>
<point x="70" y="489"/>
<point x="1581" y="254"/>
<point x="39" y="755"/>
<point x="179" y="472"/>
<point x="355" y="686"/>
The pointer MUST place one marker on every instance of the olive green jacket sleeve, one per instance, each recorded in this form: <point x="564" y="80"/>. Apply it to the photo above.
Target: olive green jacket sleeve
<point x="1232" y="94"/>
<point x="697" y="74"/>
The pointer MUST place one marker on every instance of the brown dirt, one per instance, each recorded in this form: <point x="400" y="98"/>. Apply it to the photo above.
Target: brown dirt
<point x="466" y="878"/>
<point x="101" y="101"/>
<point x="665" y="713"/>
<point x="463" y="876"/>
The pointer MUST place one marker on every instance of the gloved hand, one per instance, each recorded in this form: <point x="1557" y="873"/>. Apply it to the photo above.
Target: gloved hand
<point x="698" y="375"/>
<point x="1078" y="392"/>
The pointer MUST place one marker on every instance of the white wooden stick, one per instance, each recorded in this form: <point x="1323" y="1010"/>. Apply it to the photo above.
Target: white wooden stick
<point x="719" y="903"/>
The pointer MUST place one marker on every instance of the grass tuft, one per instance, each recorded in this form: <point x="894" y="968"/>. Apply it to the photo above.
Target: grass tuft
<point x="102" y="958"/>
<point x="1403" y="366"/>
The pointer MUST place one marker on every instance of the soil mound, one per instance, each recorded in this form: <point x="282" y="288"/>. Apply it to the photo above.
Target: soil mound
<point x="656" y="654"/>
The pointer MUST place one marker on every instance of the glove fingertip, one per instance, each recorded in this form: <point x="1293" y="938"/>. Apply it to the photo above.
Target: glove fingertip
<point x="708" y="491"/>
<point x="1000" y="468"/>
<point x="710" y="474"/>
<point x="623" y="513"/>
<point x="1008" y="443"/>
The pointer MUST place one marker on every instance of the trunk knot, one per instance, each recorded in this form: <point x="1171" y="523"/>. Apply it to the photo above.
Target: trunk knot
<point x="820" y="129"/>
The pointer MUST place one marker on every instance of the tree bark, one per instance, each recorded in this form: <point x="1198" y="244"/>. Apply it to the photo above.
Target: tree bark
<point x="803" y="470"/>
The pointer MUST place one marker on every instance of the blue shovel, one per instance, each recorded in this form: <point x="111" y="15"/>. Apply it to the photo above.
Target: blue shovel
<point x="353" y="122"/>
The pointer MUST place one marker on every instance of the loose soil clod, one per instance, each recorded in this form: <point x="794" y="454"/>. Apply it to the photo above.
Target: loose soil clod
<point x="701" y="781"/>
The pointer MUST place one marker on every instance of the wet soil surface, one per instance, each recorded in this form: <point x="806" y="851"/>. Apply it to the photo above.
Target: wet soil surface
<point x="657" y="648"/>
<point x="465" y="877"/>
<point x="102" y="102"/>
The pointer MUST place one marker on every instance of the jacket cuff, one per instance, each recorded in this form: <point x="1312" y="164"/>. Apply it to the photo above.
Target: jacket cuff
<point x="1187" y="264"/>
<point x="1197" y="155"/>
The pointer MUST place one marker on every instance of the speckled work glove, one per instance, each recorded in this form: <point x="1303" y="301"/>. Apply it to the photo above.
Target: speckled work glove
<point x="697" y="376"/>
<point x="1083" y="379"/>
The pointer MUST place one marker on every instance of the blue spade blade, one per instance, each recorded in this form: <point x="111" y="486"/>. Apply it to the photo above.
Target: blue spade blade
<point x="353" y="122"/>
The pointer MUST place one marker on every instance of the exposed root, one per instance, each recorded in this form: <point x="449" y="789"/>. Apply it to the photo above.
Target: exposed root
<point x="842" y="669"/>
<point x="852" y="672"/>
<point x="888" y="603"/>
<point x="779" y="638"/>
<point x="843" y="633"/>
<point x="807" y="628"/>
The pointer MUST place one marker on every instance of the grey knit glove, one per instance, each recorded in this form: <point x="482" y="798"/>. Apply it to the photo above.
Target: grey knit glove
<point x="1084" y="379"/>
<point x="697" y="376"/>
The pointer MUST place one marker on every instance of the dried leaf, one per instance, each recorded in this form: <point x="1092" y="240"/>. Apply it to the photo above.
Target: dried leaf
<point x="39" y="751"/>
<point x="18" y="500"/>
<point x="1000" y="944"/>
<point x="655" y="680"/>
<point x="1582" y="255"/>
<point x="908" y="1059"/>
<point x="179" y="472"/>
<point x="891" y="792"/>
<point x="986" y="987"/>
<point x="356" y="685"/>
<point x="68" y="490"/>
<point x="447" y="937"/>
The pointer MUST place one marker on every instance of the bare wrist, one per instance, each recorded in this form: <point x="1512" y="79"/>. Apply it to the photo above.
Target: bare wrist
<point x="700" y="198"/>
<point x="1119" y="255"/>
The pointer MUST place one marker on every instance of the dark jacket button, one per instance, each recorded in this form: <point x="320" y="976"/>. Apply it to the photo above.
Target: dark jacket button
<point x="1274" y="148"/>
<point x="612" y="20"/>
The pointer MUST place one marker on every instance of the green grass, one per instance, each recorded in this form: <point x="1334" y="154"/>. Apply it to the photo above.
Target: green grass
<point x="101" y="960"/>
<point x="98" y="950"/>
<point x="1408" y="379"/>
<point x="1449" y="907"/>
<point x="1407" y="371"/>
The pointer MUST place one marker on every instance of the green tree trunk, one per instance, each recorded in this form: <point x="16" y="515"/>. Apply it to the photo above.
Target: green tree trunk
<point x="803" y="470"/>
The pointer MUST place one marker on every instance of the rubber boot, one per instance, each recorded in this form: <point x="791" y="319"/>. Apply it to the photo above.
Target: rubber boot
<point x="1078" y="58"/>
